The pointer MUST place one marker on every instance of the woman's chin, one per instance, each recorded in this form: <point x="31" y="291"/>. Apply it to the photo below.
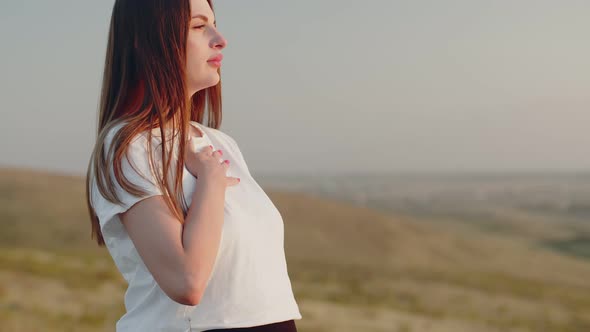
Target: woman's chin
<point x="204" y="85"/>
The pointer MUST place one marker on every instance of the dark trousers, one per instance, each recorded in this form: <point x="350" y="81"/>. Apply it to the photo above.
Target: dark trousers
<point x="286" y="326"/>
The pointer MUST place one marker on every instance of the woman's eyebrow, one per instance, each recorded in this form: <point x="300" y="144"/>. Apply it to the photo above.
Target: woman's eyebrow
<point x="205" y="18"/>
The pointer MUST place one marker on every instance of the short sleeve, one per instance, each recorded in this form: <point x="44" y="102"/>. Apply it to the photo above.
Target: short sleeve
<point x="136" y="168"/>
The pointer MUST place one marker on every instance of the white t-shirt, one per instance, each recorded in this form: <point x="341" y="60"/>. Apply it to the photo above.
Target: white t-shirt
<point x="249" y="284"/>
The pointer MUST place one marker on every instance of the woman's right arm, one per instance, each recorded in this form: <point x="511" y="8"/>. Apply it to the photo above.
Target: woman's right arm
<point x="180" y="258"/>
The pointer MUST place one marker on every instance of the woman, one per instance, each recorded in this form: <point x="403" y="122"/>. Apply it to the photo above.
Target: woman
<point x="200" y="249"/>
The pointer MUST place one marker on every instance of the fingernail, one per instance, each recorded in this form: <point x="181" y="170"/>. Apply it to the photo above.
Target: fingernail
<point x="211" y="146"/>
<point x="239" y="180"/>
<point x="221" y="152"/>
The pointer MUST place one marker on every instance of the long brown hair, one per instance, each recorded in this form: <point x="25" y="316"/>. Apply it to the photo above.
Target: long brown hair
<point x="144" y="88"/>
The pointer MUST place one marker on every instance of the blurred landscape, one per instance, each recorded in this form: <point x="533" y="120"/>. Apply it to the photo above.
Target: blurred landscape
<point x="423" y="252"/>
<point x="332" y="87"/>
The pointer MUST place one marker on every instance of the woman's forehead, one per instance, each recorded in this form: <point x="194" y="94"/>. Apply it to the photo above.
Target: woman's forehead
<point x="201" y="7"/>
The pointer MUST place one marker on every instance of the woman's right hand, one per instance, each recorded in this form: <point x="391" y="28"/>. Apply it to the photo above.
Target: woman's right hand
<point x="207" y="165"/>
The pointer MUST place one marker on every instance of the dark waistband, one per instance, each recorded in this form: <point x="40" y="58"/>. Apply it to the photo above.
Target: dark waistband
<point x="286" y="326"/>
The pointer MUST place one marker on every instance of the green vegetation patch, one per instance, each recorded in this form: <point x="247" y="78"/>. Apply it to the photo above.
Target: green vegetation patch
<point x="76" y="271"/>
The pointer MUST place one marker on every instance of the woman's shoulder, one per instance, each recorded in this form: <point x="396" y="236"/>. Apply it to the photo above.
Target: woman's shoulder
<point x="114" y="128"/>
<point x="141" y="139"/>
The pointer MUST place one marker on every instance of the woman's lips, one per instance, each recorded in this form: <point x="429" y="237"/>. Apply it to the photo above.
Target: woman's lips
<point x="218" y="57"/>
<point x="216" y="60"/>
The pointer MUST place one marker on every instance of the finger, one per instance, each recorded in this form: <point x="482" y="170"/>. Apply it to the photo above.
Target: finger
<point x="218" y="153"/>
<point x="232" y="181"/>
<point x="207" y="151"/>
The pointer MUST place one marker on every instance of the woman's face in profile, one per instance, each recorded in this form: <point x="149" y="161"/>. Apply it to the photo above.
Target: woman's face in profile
<point x="203" y="43"/>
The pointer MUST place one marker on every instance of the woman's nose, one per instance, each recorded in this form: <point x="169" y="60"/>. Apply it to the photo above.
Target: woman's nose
<point x="219" y="41"/>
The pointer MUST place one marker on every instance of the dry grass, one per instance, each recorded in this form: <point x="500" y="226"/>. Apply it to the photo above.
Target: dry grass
<point x="352" y="269"/>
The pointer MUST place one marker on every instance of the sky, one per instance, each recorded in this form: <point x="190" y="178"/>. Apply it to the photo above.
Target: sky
<point x="331" y="87"/>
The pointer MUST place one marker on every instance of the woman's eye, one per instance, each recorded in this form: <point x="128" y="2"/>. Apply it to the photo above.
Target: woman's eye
<point x="198" y="27"/>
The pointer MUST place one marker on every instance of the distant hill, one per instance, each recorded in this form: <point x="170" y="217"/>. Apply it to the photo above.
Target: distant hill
<point x="352" y="268"/>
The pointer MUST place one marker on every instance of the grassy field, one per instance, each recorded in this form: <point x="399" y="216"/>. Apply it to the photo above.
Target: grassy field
<point x="352" y="268"/>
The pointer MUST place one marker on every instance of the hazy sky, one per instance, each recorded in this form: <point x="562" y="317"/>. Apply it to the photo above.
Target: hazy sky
<point x="331" y="86"/>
